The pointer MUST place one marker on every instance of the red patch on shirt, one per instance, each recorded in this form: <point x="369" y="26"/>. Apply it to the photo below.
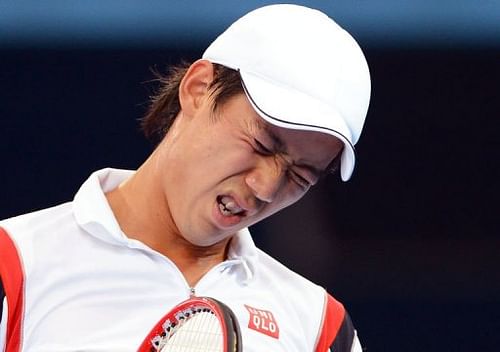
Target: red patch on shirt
<point x="263" y="321"/>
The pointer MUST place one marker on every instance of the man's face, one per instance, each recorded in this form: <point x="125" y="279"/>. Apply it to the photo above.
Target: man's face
<point x="228" y="171"/>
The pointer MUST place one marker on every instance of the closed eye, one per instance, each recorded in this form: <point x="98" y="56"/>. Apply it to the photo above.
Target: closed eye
<point x="299" y="180"/>
<point x="261" y="148"/>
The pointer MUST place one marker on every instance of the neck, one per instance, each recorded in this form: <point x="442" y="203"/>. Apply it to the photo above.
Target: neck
<point x="143" y="214"/>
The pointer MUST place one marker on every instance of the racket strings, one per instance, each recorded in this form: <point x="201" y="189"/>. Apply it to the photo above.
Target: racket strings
<point x="198" y="330"/>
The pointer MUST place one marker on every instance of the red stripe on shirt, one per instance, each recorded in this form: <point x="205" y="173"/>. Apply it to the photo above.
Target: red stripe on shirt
<point x="11" y="273"/>
<point x="332" y="320"/>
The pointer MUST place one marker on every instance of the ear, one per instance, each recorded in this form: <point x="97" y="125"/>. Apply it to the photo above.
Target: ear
<point x="193" y="90"/>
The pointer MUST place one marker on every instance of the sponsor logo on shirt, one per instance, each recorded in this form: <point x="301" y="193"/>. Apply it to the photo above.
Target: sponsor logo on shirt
<point x="263" y="321"/>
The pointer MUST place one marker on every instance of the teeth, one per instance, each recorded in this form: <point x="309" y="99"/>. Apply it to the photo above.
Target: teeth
<point x="228" y="206"/>
<point x="224" y="211"/>
<point x="226" y="199"/>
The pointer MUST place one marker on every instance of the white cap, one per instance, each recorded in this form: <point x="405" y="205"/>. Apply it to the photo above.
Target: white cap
<point x="300" y="70"/>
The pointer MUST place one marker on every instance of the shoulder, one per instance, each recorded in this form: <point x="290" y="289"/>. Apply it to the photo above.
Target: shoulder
<point x="337" y="331"/>
<point x="271" y="268"/>
<point x="38" y="230"/>
<point x="332" y="323"/>
<point x="301" y="298"/>
<point x="36" y="220"/>
<point x="17" y="240"/>
<point x="293" y="289"/>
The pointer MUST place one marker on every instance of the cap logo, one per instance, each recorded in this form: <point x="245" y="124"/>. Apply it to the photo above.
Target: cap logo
<point x="263" y="321"/>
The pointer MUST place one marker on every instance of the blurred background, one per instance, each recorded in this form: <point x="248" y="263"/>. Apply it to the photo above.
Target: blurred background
<point x="410" y="245"/>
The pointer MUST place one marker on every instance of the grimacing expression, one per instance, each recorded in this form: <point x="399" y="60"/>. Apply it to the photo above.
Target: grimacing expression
<point x="233" y="169"/>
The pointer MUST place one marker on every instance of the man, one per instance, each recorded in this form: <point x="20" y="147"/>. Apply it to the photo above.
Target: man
<point x="276" y="101"/>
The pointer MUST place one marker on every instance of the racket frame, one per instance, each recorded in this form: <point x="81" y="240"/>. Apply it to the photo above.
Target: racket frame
<point x="231" y="333"/>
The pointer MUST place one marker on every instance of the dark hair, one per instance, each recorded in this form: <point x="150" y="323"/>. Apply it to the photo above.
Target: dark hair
<point x="164" y="104"/>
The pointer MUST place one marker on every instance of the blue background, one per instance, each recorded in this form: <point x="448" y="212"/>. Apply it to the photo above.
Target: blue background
<point x="410" y="245"/>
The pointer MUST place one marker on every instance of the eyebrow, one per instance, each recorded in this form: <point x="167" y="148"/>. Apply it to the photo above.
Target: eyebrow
<point x="278" y="142"/>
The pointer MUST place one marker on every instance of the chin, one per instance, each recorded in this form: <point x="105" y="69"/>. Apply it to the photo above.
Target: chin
<point x="206" y="242"/>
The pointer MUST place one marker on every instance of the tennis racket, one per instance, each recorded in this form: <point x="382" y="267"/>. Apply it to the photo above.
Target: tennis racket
<point x="195" y="325"/>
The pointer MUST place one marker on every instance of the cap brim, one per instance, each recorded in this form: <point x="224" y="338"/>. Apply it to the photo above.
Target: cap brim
<point x="289" y="108"/>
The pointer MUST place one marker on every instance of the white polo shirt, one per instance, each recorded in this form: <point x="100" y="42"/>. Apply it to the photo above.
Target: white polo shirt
<point x="86" y="286"/>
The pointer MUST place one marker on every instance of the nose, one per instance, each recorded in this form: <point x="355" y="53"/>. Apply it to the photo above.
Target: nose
<point x="266" y="179"/>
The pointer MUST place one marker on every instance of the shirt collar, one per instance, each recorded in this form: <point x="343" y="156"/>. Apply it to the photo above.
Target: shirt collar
<point x="92" y="210"/>
<point x="94" y="215"/>
<point x="242" y="248"/>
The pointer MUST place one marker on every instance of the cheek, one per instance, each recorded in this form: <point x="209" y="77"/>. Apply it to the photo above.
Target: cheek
<point x="229" y="160"/>
<point x="210" y="172"/>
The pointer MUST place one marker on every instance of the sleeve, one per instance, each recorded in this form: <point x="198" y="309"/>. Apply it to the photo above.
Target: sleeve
<point x="2" y="296"/>
<point x="337" y="331"/>
<point x="3" y="323"/>
<point x="356" y="345"/>
<point x="345" y="338"/>
<point x="3" y="319"/>
<point x="12" y="279"/>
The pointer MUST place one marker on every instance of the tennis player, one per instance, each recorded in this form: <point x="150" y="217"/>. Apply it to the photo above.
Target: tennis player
<point x="277" y="100"/>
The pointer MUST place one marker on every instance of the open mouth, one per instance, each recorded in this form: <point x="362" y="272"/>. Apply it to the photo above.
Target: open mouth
<point x="229" y="207"/>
